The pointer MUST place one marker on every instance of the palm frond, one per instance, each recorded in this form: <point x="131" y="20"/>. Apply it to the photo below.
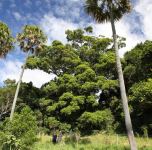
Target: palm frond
<point x="100" y="9"/>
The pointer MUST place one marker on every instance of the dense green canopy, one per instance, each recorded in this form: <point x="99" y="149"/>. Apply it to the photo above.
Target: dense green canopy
<point x="85" y="90"/>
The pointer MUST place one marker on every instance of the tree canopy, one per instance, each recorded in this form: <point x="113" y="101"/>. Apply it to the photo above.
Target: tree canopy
<point x="85" y="90"/>
<point x="6" y="40"/>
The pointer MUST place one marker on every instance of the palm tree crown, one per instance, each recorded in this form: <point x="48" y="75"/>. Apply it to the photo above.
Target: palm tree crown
<point x="31" y="39"/>
<point x="6" y="40"/>
<point x="100" y="9"/>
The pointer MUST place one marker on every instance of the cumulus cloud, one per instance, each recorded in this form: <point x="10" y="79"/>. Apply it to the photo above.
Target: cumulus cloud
<point x="38" y="77"/>
<point x="68" y="14"/>
<point x="130" y="28"/>
<point x="55" y="27"/>
<point x="144" y="9"/>
<point x="123" y="29"/>
<point x="12" y="69"/>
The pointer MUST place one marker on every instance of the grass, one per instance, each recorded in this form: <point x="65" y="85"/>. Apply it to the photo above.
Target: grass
<point x="94" y="142"/>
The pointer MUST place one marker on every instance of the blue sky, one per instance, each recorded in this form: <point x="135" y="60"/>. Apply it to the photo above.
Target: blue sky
<point x="17" y="13"/>
<point x="54" y="17"/>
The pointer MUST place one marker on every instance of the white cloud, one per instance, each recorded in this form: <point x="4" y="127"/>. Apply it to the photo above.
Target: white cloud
<point x="55" y="27"/>
<point x="123" y="29"/>
<point x="144" y="9"/>
<point x="12" y="69"/>
<point x="38" y="77"/>
<point x="17" y="15"/>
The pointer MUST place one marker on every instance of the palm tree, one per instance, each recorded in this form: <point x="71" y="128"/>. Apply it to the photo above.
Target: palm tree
<point x="111" y="11"/>
<point x="6" y="40"/>
<point x="30" y="41"/>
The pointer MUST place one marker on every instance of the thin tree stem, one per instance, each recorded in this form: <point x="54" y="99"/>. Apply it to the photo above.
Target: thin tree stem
<point x="18" y="87"/>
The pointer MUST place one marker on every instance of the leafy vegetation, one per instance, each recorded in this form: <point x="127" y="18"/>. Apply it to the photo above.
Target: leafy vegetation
<point x="85" y="87"/>
<point x="6" y="40"/>
<point x="20" y="133"/>
<point x="84" y="96"/>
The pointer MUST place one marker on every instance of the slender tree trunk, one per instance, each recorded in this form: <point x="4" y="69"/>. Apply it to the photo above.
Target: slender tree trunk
<point x="128" y="122"/>
<point x="18" y="88"/>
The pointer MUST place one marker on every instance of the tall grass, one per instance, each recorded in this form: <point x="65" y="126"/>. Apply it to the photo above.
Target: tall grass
<point x="94" y="142"/>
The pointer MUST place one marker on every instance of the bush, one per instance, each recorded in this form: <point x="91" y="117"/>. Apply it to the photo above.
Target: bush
<point x="20" y="133"/>
<point x="99" y="120"/>
<point x="52" y="123"/>
<point x="9" y="141"/>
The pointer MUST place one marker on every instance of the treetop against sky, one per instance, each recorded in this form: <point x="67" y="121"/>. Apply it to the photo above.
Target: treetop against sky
<point x="54" y="17"/>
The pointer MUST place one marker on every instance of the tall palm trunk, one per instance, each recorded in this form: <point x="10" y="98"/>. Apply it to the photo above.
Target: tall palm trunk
<point x="128" y="122"/>
<point x="18" y="88"/>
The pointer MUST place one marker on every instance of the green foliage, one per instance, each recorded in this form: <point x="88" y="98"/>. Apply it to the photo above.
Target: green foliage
<point x="138" y="63"/>
<point x="104" y="66"/>
<point x="31" y="39"/>
<point x="88" y="29"/>
<point x="20" y="133"/>
<point x="141" y="100"/>
<point x="60" y="59"/>
<point x="84" y="73"/>
<point x="6" y="40"/>
<point x="99" y="120"/>
<point x="74" y="89"/>
<point x="6" y="98"/>
<point x="9" y="141"/>
<point x="142" y="92"/>
<point x="76" y="36"/>
<point x="52" y="124"/>
<point x="101" y="45"/>
<point x="29" y="95"/>
<point x="85" y="92"/>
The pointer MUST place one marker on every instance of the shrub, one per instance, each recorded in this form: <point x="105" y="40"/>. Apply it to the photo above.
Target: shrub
<point x="20" y="133"/>
<point x="52" y="123"/>
<point x="99" y="120"/>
